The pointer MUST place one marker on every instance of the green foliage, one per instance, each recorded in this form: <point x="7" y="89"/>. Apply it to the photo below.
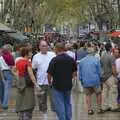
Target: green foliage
<point x="57" y="12"/>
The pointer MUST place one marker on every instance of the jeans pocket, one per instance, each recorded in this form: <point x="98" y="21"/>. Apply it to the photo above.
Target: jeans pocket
<point x="7" y="76"/>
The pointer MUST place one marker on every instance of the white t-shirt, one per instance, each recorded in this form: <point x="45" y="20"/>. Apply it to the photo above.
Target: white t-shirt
<point x="41" y="63"/>
<point x="3" y="65"/>
<point x="97" y="56"/>
<point x="71" y="54"/>
<point x="117" y="62"/>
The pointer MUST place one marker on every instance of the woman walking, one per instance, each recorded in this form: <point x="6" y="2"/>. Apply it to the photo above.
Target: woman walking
<point x="25" y="101"/>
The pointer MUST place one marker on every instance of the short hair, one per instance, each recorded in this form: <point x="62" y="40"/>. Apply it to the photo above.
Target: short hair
<point x="82" y="43"/>
<point x="60" y="46"/>
<point x="24" y="51"/>
<point x="88" y="45"/>
<point x="75" y="46"/>
<point x="68" y="46"/>
<point x="108" y="47"/>
<point x="119" y="50"/>
<point x="42" y="41"/>
<point x="7" y="47"/>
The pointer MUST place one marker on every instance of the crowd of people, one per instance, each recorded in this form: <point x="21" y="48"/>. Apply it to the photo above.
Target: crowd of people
<point x="53" y="69"/>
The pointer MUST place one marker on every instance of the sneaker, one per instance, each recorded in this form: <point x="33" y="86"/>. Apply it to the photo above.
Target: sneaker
<point x="100" y="111"/>
<point x="14" y="110"/>
<point x="3" y="114"/>
<point x="45" y="116"/>
<point x="90" y="112"/>
<point x="107" y="110"/>
<point x="57" y="117"/>
<point x="115" y="110"/>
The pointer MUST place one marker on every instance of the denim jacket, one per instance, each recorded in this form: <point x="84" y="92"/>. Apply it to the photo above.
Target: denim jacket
<point x="90" y="71"/>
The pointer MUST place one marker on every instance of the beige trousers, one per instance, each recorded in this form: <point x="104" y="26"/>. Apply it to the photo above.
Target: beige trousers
<point x="109" y="94"/>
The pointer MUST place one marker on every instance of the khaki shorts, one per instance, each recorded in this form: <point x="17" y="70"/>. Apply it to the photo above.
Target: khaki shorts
<point x="91" y="90"/>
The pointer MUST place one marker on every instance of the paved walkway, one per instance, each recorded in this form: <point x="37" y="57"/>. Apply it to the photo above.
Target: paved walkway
<point x="79" y="111"/>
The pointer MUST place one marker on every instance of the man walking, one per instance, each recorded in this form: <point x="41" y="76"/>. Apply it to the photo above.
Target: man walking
<point x="109" y="93"/>
<point x="62" y="68"/>
<point x="40" y="62"/>
<point x="6" y="67"/>
<point x="89" y="74"/>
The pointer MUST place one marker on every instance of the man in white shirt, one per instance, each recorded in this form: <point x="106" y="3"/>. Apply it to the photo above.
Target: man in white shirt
<point x="69" y="51"/>
<point x="117" y="63"/>
<point x="41" y="62"/>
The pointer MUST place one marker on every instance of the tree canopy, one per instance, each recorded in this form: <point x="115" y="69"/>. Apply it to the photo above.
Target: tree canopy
<point x="58" y="12"/>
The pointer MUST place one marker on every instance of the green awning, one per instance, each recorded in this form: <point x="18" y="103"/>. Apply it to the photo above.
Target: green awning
<point x="17" y="36"/>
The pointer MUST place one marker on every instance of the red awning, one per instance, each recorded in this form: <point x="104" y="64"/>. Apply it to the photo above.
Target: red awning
<point x="114" y="34"/>
<point x="95" y="33"/>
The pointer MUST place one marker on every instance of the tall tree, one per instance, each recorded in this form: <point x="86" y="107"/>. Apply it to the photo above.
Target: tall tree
<point x="39" y="12"/>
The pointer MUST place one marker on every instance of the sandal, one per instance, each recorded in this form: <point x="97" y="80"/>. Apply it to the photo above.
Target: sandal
<point x="90" y="112"/>
<point x="100" y="111"/>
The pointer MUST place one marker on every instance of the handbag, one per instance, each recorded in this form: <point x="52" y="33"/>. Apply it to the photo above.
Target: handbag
<point x="28" y="80"/>
<point x="20" y="84"/>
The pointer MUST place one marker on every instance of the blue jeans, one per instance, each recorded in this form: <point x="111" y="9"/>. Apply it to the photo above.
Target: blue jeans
<point x="62" y="104"/>
<point x="8" y="77"/>
<point x="118" y="99"/>
<point x="1" y="91"/>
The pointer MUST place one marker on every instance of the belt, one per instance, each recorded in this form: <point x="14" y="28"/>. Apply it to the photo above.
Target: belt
<point x="5" y="70"/>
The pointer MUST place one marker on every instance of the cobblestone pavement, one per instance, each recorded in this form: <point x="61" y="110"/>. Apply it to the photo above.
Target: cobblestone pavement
<point x="78" y="106"/>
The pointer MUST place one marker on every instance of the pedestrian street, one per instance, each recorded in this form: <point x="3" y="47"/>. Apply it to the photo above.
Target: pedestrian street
<point x="78" y="108"/>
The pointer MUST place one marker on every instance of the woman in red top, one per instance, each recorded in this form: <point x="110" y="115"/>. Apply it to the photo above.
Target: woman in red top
<point x="25" y="100"/>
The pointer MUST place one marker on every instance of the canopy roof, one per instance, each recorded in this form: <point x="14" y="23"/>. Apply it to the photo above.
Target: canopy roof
<point x="114" y="34"/>
<point x="4" y="27"/>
